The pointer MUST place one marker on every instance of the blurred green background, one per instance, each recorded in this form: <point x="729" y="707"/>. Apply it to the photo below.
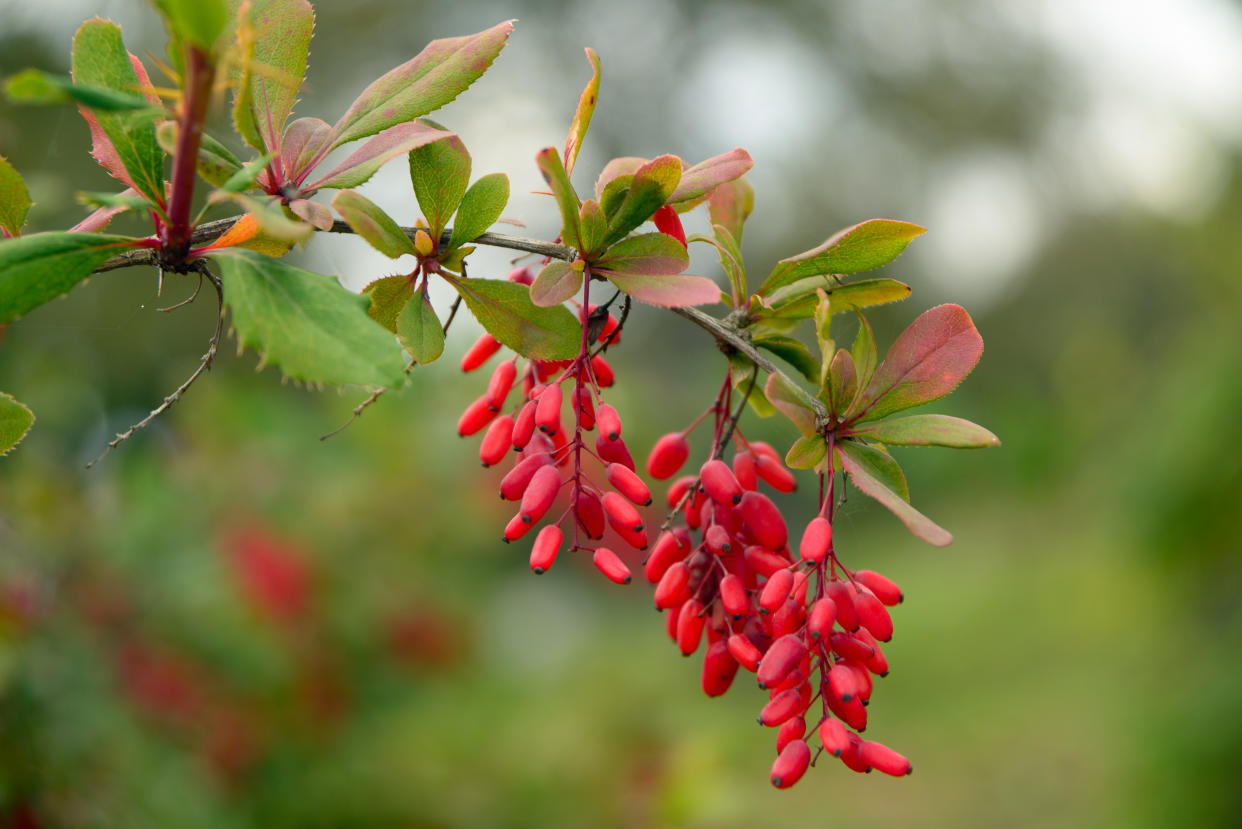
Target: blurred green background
<point x="231" y="623"/>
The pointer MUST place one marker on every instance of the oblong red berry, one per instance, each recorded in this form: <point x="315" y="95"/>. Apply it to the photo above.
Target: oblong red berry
<point x="669" y="223"/>
<point x="669" y="548"/>
<point x="791" y="764"/>
<point x="873" y="615"/>
<point x="613" y="451"/>
<point x="718" y="540"/>
<point x="849" y="647"/>
<point x="773" y="472"/>
<point x="782" y="657"/>
<point x="610" y="564"/>
<point x="877" y="663"/>
<point x="842" y="682"/>
<point x="547" y="545"/>
<point x="744" y="470"/>
<point x="524" y="424"/>
<point x="763" y="561"/>
<point x="763" y="520"/>
<point x="834" y="736"/>
<point x="884" y="588"/>
<point x="514" y="483"/>
<point x="674" y="586"/>
<point x="744" y="651"/>
<point x="820" y="620"/>
<point x="792" y="729"/>
<point x="854" y="713"/>
<point x="477" y="415"/>
<point x="776" y="591"/>
<point x="516" y="528"/>
<point x="539" y="495"/>
<point x="719" y="482"/>
<point x="500" y="383"/>
<point x="627" y="482"/>
<point x="622" y="515"/>
<point x="882" y="758"/>
<point x="719" y="668"/>
<point x="690" y="623"/>
<point x="496" y="441"/>
<point x="589" y="513"/>
<point x="667" y="456"/>
<point x="548" y="411"/>
<point x="479" y="353"/>
<point x="585" y="407"/>
<point x="609" y="421"/>
<point x="851" y="758"/>
<point x="816" y="540"/>
<point x="843" y="595"/>
<point x="733" y="596"/>
<point x="781" y="707"/>
<point x="603" y="373"/>
<point x="788" y="618"/>
<point x="521" y="276"/>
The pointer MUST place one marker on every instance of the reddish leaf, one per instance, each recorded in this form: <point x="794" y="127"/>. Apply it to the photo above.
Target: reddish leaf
<point x="706" y="176"/>
<point x="669" y="290"/>
<point x="917" y="522"/>
<point x="582" y="116"/>
<point x="304" y="139"/>
<point x="648" y="254"/>
<point x="927" y="362"/>
<point x="372" y="155"/>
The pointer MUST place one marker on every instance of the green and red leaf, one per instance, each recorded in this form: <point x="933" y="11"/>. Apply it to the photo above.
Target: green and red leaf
<point x="927" y="430"/>
<point x="555" y="283"/>
<point x="389" y="295"/>
<point x="582" y="115"/>
<point x="866" y="472"/>
<point x="281" y="31"/>
<point x="926" y="362"/>
<point x="553" y="171"/>
<point x="363" y="162"/>
<point x="792" y="401"/>
<point x="650" y="188"/>
<point x="701" y="179"/>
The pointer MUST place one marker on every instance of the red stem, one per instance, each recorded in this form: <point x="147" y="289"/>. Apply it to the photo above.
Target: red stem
<point x="175" y="236"/>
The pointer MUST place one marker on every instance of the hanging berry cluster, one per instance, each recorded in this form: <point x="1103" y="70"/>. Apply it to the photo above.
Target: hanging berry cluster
<point x="551" y="460"/>
<point x="724" y="570"/>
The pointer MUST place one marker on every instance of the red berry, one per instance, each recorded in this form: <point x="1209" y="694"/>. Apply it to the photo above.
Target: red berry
<point x="744" y="651"/>
<point x="873" y="615"/>
<point x="515" y="482"/>
<point x="850" y="757"/>
<point x="627" y="482"/>
<point x="586" y="407"/>
<point x="539" y="495"/>
<point x="548" y="412"/>
<point x="690" y="623"/>
<point x="718" y="540"/>
<point x="719" y="668"/>
<point x="882" y="758"/>
<point x="850" y="647"/>
<point x="842" y="682"/>
<point x="547" y="545"/>
<point x="611" y="566"/>
<point x="792" y="729"/>
<point x="670" y="547"/>
<point x="719" y="483"/>
<point x="521" y="276"/>
<point x="763" y="520"/>
<point x="502" y="380"/>
<point x="609" y="421"/>
<point x="744" y="470"/>
<point x="524" y="425"/>
<point x="479" y="353"/>
<point x="884" y="589"/>
<point x="791" y="764"/>
<point x="496" y="441"/>
<point x="668" y="222"/>
<point x="776" y="591"/>
<point x="516" y="528"/>
<point x="477" y="415"/>
<point x="843" y="595"/>
<point x="821" y="618"/>
<point x="781" y="707"/>
<point x="816" y="540"/>
<point x="603" y="373"/>
<point x="674" y="586"/>
<point x="622" y="515"/>
<point x="613" y="451"/>
<point x="763" y="561"/>
<point x="788" y="618"/>
<point x="733" y="596"/>
<point x="784" y="655"/>
<point x="667" y="456"/>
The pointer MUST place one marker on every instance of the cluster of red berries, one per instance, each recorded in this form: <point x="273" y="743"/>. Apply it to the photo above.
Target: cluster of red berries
<point x="809" y="628"/>
<point x="550" y="459"/>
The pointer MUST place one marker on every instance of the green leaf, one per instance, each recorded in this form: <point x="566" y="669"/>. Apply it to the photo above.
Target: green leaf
<point x="440" y="172"/>
<point x="419" y="329"/>
<point x="437" y="75"/>
<point x="306" y="323"/>
<point x="549" y="163"/>
<point x="125" y="200"/>
<point x="370" y="222"/>
<point x="879" y="465"/>
<point x="793" y="402"/>
<point x="797" y="300"/>
<point x="480" y="208"/>
<point x="582" y="116"/>
<point x="556" y="282"/>
<point x="926" y="362"/>
<point x="505" y="309"/>
<point x="618" y="168"/>
<point x="741" y="370"/>
<point x="704" y="177"/>
<point x="201" y="22"/>
<point x="14" y="198"/>
<point x="31" y="86"/>
<point x="730" y="258"/>
<point x="245" y="177"/>
<point x="363" y="162"/>
<point x="389" y="295"/>
<point x="280" y="33"/>
<point x="614" y="194"/>
<point x="864" y="352"/>
<point x="593" y="229"/>
<point x="99" y="58"/>
<point x="41" y="266"/>
<point x="855" y="462"/>
<point x="864" y="246"/>
<point x="823" y="336"/>
<point x="15" y="422"/>
<point x="730" y="204"/>
<point x="650" y="188"/>
<point x="791" y="351"/>
<point x="806" y="452"/>
<point x="927" y="430"/>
